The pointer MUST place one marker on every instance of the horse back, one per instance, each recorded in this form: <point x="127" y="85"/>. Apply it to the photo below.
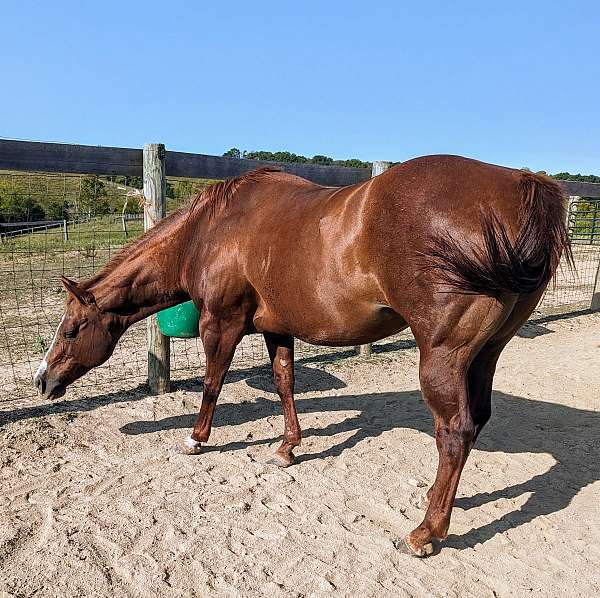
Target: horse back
<point x="344" y="265"/>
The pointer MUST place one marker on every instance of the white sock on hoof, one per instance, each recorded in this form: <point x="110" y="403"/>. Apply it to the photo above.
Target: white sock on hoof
<point x="191" y="443"/>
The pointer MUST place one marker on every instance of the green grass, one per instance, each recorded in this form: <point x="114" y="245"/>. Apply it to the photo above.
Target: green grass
<point x="102" y="233"/>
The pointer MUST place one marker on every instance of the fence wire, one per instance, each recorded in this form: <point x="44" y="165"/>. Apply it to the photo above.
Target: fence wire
<point x="72" y="224"/>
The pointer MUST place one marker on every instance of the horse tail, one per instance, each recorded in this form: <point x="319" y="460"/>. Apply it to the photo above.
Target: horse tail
<point x="499" y="265"/>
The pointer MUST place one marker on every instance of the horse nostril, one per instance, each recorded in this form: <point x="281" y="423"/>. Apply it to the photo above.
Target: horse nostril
<point x="40" y="384"/>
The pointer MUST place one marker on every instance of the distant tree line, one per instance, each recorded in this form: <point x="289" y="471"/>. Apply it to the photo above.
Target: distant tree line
<point x="567" y="176"/>
<point x="287" y="157"/>
<point x="585" y="178"/>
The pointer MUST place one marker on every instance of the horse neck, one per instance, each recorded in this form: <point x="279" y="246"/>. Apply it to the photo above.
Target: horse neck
<point x="145" y="282"/>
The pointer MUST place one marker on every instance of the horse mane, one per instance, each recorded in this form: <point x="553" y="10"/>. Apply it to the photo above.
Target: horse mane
<point x="212" y="199"/>
<point x="215" y="198"/>
<point x="125" y="252"/>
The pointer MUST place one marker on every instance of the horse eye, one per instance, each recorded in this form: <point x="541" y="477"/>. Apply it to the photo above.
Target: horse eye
<point x="75" y="331"/>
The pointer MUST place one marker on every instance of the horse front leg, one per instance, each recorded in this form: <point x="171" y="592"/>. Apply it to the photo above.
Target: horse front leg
<point x="219" y="338"/>
<point x="281" y="353"/>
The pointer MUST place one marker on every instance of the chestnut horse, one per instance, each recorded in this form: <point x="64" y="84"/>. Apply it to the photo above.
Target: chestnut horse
<point x="459" y="250"/>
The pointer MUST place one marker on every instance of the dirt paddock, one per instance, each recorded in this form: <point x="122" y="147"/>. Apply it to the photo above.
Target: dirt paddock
<point x="95" y="500"/>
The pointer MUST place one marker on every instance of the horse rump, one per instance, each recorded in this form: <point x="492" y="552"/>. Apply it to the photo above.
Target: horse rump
<point x="500" y="264"/>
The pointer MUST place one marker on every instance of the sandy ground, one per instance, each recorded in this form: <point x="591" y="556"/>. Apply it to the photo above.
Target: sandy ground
<point x="96" y="501"/>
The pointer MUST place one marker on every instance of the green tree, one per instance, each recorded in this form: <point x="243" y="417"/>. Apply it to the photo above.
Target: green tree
<point x="234" y="152"/>
<point x="586" y="178"/>
<point x="288" y="157"/>
<point x="170" y="190"/>
<point x="324" y="160"/>
<point x="56" y="208"/>
<point x="93" y="198"/>
<point x="17" y="205"/>
<point x="353" y="163"/>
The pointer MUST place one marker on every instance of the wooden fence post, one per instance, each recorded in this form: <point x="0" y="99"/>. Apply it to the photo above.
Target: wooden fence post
<point x="155" y="208"/>
<point x="65" y="230"/>
<point x="379" y="166"/>
<point x="571" y="201"/>
<point x="595" y="303"/>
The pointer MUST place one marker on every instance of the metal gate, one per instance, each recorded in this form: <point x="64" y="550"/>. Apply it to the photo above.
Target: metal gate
<point x="584" y="221"/>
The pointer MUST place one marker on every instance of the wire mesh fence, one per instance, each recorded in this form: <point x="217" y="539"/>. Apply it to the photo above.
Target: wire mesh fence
<point x="573" y="290"/>
<point x="53" y="224"/>
<point x="32" y="258"/>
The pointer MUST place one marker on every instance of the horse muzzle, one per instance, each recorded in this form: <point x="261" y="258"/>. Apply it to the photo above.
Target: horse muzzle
<point x="49" y="389"/>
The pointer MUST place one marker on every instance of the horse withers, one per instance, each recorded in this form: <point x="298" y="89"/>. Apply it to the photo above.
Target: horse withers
<point x="459" y="250"/>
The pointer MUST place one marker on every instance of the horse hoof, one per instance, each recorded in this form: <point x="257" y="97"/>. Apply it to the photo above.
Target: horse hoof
<point x="420" y="552"/>
<point x="189" y="446"/>
<point x="281" y="460"/>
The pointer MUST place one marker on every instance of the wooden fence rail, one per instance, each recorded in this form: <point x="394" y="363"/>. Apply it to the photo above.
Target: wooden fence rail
<point x="14" y="229"/>
<point x="34" y="156"/>
<point x="30" y="224"/>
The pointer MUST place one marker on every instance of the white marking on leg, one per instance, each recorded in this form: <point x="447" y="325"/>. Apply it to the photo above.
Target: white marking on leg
<point x="44" y="363"/>
<point x="191" y="443"/>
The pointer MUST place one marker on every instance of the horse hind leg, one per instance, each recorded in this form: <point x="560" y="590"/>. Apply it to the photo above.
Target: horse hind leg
<point x="480" y="377"/>
<point x="483" y="367"/>
<point x="448" y="346"/>
<point x="281" y="353"/>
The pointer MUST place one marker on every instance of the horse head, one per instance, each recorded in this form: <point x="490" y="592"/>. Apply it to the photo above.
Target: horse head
<point x="85" y="338"/>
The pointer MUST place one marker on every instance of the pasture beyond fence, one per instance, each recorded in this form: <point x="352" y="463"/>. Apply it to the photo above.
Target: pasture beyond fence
<point x="78" y="205"/>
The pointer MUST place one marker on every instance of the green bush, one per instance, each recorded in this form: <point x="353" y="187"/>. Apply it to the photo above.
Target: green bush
<point x="16" y="203"/>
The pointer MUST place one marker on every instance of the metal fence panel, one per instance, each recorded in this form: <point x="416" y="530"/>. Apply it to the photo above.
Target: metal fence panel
<point x="584" y="221"/>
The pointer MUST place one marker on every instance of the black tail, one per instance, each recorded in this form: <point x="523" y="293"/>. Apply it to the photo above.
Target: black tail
<point x="520" y="266"/>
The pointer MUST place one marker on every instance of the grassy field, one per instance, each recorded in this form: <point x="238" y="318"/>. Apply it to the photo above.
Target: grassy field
<point x="42" y="196"/>
<point x="102" y="232"/>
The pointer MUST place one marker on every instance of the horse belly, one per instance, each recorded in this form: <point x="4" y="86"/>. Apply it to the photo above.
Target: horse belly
<point x="341" y="327"/>
<point x="367" y="325"/>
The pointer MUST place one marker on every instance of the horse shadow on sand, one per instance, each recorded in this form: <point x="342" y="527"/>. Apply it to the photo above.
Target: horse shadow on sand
<point x="518" y="425"/>
<point x="308" y="379"/>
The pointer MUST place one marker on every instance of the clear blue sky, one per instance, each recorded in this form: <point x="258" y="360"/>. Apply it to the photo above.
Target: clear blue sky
<point x="516" y="83"/>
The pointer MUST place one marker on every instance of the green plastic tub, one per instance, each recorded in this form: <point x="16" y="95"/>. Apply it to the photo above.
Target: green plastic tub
<point x="181" y="321"/>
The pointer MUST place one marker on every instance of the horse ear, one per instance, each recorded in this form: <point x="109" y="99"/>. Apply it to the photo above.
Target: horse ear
<point x="82" y="295"/>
